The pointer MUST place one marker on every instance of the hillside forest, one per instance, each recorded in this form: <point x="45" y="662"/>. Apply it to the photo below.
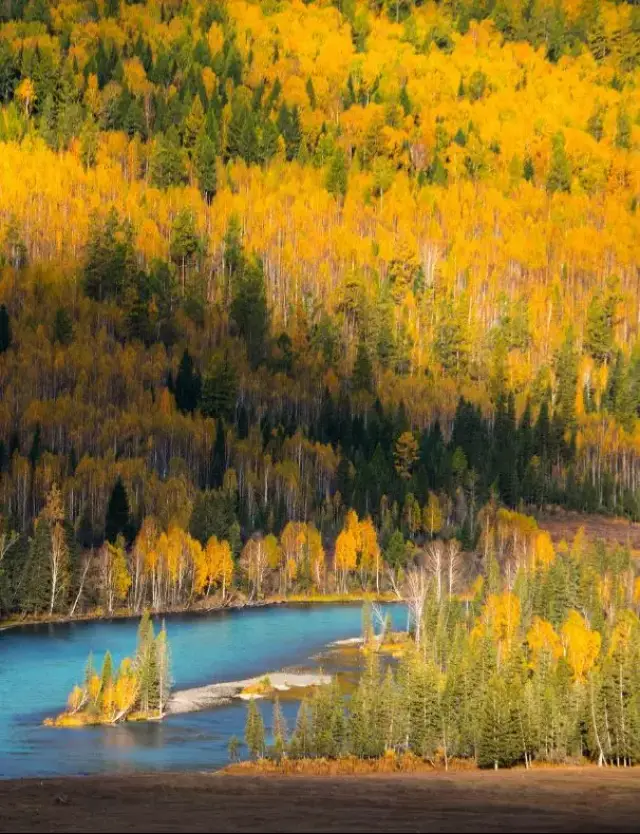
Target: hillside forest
<point x="294" y="293"/>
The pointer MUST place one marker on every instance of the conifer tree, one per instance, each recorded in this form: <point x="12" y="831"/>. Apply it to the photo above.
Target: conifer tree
<point x="337" y="177"/>
<point x="187" y="385"/>
<point x="301" y="741"/>
<point x="205" y="164"/>
<point x="498" y="732"/>
<point x="279" y="730"/>
<point x="37" y="581"/>
<point x="254" y="730"/>
<point x="118" y="518"/>
<point x="559" y="176"/>
<point x="5" y="329"/>
<point x="163" y="668"/>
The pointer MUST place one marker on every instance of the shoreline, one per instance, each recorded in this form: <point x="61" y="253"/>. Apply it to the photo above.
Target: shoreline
<point x="237" y="605"/>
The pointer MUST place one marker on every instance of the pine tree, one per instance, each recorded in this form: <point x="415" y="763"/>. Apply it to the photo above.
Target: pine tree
<point x="106" y="676"/>
<point x="559" y="176"/>
<point x="599" y="339"/>
<point x="63" y="327"/>
<point x="146" y="666"/>
<point x="337" y="176"/>
<point x="118" y="518"/>
<point x="205" y="161"/>
<point x="219" y="390"/>
<point x="163" y="666"/>
<point x="249" y="310"/>
<point x="498" y="733"/>
<point x="623" y="130"/>
<point x="362" y="370"/>
<point x="279" y="730"/>
<point x="311" y="93"/>
<point x="187" y="385"/>
<point x="528" y="170"/>
<point x="167" y="164"/>
<point x="595" y="124"/>
<point x="5" y="329"/>
<point x="37" y="581"/>
<point x="194" y="125"/>
<point x="254" y="730"/>
<point x="301" y="741"/>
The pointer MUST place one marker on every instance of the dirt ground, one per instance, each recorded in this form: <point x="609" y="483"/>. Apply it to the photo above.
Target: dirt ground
<point x="564" y="525"/>
<point x="511" y="801"/>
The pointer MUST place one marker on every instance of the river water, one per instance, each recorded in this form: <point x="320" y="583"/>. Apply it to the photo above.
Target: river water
<point x="40" y="664"/>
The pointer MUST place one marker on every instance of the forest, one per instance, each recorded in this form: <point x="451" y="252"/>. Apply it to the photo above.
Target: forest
<point x="537" y="667"/>
<point x="292" y="296"/>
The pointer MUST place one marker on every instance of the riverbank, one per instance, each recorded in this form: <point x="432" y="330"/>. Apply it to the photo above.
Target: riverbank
<point x="541" y="800"/>
<point x="235" y="604"/>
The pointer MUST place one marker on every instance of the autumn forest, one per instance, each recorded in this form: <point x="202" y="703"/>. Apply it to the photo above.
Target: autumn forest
<point x="296" y="295"/>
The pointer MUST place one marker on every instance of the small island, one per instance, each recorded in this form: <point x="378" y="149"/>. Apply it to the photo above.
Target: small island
<point x="138" y="690"/>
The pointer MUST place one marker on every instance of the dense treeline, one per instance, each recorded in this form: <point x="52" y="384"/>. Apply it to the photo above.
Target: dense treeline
<point x="267" y="264"/>
<point x="536" y="665"/>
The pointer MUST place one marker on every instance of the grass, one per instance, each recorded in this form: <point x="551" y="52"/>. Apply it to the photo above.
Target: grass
<point x="346" y="765"/>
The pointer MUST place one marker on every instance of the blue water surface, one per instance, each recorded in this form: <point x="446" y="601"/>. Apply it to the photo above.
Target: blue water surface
<point x="40" y="664"/>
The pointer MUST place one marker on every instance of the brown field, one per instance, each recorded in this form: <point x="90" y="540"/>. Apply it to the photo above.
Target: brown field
<point x="563" y="524"/>
<point x="566" y="800"/>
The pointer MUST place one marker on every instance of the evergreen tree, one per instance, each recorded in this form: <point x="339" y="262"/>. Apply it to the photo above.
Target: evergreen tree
<point x="205" y="160"/>
<point x="37" y="581"/>
<point x="498" y="735"/>
<point x="559" y="176"/>
<point x="107" y="671"/>
<point x="163" y="669"/>
<point x="167" y="165"/>
<point x="5" y="329"/>
<point x="311" y="93"/>
<point x="599" y="336"/>
<point x="118" y="518"/>
<point x="595" y="124"/>
<point x="279" y="730"/>
<point x="528" y="171"/>
<point x="63" y="327"/>
<point x="337" y="174"/>
<point x="254" y="730"/>
<point x="301" y="742"/>
<point x="362" y="377"/>
<point x="566" y="370"/>
<point x="219" y="390"/>
<point x="249" y="310"/>
<point x="187" y="385"/>
<point x="623" y="130"/>
<point x="110" y="265"/>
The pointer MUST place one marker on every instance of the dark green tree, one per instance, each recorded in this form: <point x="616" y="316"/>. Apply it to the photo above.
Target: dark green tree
<point x="249" y="310"/>
<point x="205" y="159"/>
<point x="254" y="730"/>
<point x="559" y="176"/>
<point x="118" y="517"/>
<point x="219" y="389"/>
<point x="188" y="385"/>
<point x="63" y="326"/>
<point x="5" y="329"/>
<point x="37" y="581"/>
<point x="337" y="176"/>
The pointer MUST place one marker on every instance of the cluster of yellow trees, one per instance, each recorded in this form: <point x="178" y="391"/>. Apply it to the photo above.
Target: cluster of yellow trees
<point x="138" y="689"/>
<point x="166" y="569"/>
